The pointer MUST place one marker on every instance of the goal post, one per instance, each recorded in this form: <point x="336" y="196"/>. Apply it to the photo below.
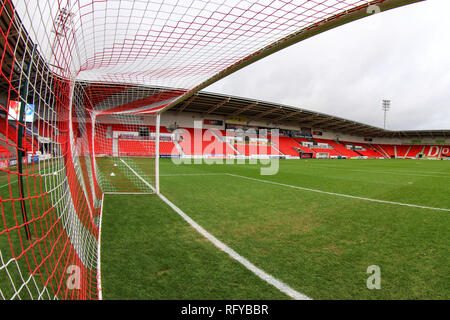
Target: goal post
<point x="126" y="152"/>
<point x="158" y="129"/>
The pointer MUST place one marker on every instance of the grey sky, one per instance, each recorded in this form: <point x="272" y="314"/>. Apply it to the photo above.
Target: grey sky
<point x="402" y="55"/>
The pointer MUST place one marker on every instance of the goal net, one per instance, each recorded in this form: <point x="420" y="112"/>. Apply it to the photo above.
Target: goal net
<point x="125" y="151"/>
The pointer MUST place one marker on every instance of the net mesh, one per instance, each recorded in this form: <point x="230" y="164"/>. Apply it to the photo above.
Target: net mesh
<point x="165" y="43"/>
<point x="65" y="63"/>
<point x="48" y="237"/>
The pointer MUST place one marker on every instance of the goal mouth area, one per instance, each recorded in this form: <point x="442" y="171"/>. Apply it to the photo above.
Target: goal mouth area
<point x="126" y="175"/>
<point x="126" y="152"/>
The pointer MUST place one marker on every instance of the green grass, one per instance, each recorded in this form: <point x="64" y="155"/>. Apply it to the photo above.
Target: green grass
<point x="114" y="174"/>
<point x="319" y="244"/>
<point x="154" y="255"/>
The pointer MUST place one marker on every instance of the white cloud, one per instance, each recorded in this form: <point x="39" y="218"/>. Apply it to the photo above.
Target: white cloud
<point x="402" y="55"/>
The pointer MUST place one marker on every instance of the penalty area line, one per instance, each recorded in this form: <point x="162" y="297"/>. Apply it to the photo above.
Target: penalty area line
<point x="281" y="286"/>
<point x="339" y="194"/>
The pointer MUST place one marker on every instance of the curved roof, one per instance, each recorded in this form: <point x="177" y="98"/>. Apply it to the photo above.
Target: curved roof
<point x="209" y="104"/>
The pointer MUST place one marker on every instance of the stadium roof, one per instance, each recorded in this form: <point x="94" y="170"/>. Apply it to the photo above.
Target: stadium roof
<point x="209" y="104"/>
<point x="17" y="48"/>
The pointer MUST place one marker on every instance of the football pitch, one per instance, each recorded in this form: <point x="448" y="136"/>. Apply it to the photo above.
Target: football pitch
<point x="318" y="226"/>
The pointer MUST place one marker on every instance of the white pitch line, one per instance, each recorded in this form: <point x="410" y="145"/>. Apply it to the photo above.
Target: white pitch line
<point x="99" y="269"/>
<point x="125" y="193"/>
<point x="340" y="194"/>
<point x="8" y="184"/>
<point x="137" y="175"/>
<point x="283" y="287"/>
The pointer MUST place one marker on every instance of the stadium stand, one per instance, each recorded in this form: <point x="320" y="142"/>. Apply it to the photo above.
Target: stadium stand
<point x="5" y="153"/>
<point x="7" y="129"/>
<point x="414" y="151"/>
<point x="287" y="146"/>
<point x="256" y="149"/>
<point x="386" y="151"/>
<point x="341" y="148"/>
<point x="402" y="150"/>
<point x="302" y="147"/>
<point x="364" y="149"/>
<point x="215" y="144"/>
<point x="211" y="144"/>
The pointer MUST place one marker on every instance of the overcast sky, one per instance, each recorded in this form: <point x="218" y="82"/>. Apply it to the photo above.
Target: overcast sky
<point x="402" y="55"/>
